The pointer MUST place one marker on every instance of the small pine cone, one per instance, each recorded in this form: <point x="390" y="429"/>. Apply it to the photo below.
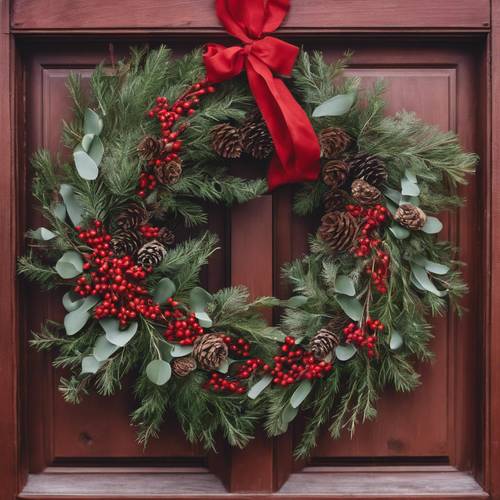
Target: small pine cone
<point x="338" y="323"/>
<point x="132" y="216"/>
<point x="333" y="141"/>
<point x="335" y="199"/>
<point x="149" y="148"/>
<point x="335" y="173"/>
<point x="369" y="168"/>
<point x="255" y="138"/>
<point x="183" y="366"/>
<point x="151" y="254"/>
<point x="210" y="351"/>
<point x="226" y="141"/>
<point x="338" y="230"/>
<point x="364" y="193"/>
<point x="166" y="237"/>
<point x="126" y="242"/>
<point x="169" y="172"/>
<point x="323" y="343"/>
<point x="410" y="216"/>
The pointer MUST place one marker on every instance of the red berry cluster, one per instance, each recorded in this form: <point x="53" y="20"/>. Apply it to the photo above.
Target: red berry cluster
<point x="365" y="336"/>
<point x="149" y="232"/>
<point x="147" y="184"/>
<point x="295" y="364"/>
<point x="219" y="382"/>
<point x="379" y="271"/>
<point x="182" y="327"/>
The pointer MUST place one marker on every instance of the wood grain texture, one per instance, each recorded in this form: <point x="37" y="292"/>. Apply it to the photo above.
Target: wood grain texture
<point x="327" y="15"/>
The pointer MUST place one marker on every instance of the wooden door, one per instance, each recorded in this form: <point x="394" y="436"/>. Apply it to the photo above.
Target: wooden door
<point x="435" y="59"/>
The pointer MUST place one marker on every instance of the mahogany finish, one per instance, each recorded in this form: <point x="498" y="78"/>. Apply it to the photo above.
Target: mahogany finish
<point x="447" y="432"/>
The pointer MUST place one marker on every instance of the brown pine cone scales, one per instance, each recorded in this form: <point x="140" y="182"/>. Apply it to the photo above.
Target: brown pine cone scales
<point x="168" y="173"/>
<point x="166" y="237"/>
<point x="210" y="351"/>
<point x="364" y="193"/>
<point x="255" y="138"/>
<point x="369" y="168"/>
<point x="132" y="216"/>
<point x="126" y="242"/>
<point x="410" y="216"/>
<point x="335" y="173"/>
<point x="333" y="141"/>
<point x="338" y="230"/>
<point x="183" y="366"/>
<point x="151" y="254"/>
<point x="149" y="148"/>
<point x="323" y="343"/>
<point x="226" y="141"/>
<point x="335" y="199"/>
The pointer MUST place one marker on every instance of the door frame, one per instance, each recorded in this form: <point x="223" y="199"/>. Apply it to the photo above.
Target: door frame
<point x="475" y="19"/>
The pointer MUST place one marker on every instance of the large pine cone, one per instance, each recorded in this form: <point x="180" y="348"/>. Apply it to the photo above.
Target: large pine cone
<point x="335" y="199"/>
<point x="369" y="168"/>
<point x="183" y="366"/>
<point x="169" y="172"/>
<point x="226" y="141"/>
<point x="149" y="148"/>
<point x="333" y="141"/>
<point x="210" y="351"/>
<point x="338" y="230"/>
<point x="151" y="254"/>
<point x="410" y="216"/>
<point x="323" y="342"/>
<point x="364" y="193"/>
<point x="335" y="173"/>
<point x="255" y="138"/>
<point x="132" y="216"/>
<point x="126" y="242"/>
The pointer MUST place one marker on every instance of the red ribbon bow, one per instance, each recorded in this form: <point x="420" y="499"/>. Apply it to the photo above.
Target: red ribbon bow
<point x="296" y="144"/>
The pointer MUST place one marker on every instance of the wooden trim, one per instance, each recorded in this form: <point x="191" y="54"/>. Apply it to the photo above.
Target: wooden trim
<point x="60" y="15"/>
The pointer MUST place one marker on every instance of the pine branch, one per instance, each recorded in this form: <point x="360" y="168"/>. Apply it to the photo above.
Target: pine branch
<point x="33" y="270"/>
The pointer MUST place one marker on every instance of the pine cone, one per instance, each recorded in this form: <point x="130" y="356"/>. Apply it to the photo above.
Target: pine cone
<point x="323" y="343"/>
<point x="168" y="173"/>
<point x="333" y="141"/>
<point x="335" y="199"/>
<point x="226" y="141"/>
<point x="132" y="216"/>
<point x="364" y="193"/>
<point x="335" y="173"/>
<point x="338" y="323"/>
<point x="151" y="254"/>
<point x="183" y="366"/>
<point x="166" y="237"/>
<point x="255" y="138"/>
<point x="339" y="230"/>
<point x="369" y="168"/>
<point x="410" y="216"/>
<point x="126" y="242"/>
<point x="149" y="148"/>
<point x="210" y="351"/>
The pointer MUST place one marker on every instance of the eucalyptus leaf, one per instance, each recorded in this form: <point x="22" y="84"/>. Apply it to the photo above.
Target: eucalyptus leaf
<point x="392" y="207"/>
<point x="393" y="195"/>
<point x="224" y="366"/>
<point x="69" y="265"/>
<point x="159" y="371"/>
<point x="410" y="175"/>
<point x="178" y="351"/>
<point x="409" y="188"/>
<point x="71" y="301"/>
<point x="345" y="352"/>
<point x="400" y="232"/>
<point x="59" y="211"/>
<point x="86" y="142"/>
<point x="73" y="207"/>
<point x="103" y="348"/>
<point x="344" y="285"/>
<point x="432" y="267"/>
<point x="43" y="234"/>
<point x="271" y="332"/>
<point x="335" y="106"/>
<point x="203" y="319"/>
<point x="301" y="393"/>
<point x="396" y="340"/>
<point x="85" y="165"/>
<point x="423" y="279"/>
<point x="432" y="225"/>
<point x="288" y="414"/>
<point x="295" y="302"/>
<point x="164" y="290"/>
<point x="199" y="298"/>
<point x="120" y="338"/>
<point x="96" y="151"/>
<point x="412" y="200"/>
<point x="351" y="306"/>
<point x="75" y="320"/>
<point x="416" y="284"/>
<point x="259" y="386"/>
<point x="92" y="122"/>
<point x="90" y="365"/>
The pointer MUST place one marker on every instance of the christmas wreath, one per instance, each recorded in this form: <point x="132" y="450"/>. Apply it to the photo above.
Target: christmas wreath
<point x="152" y="146"/>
